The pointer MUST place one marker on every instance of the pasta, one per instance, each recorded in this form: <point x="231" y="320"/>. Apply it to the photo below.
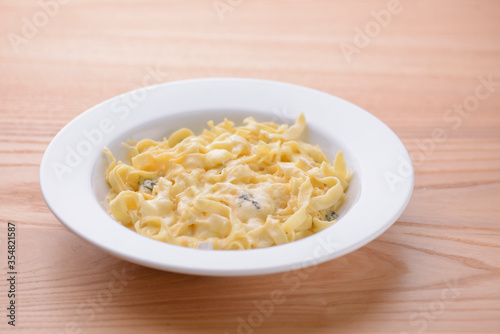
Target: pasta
<point x="251" y="186"/>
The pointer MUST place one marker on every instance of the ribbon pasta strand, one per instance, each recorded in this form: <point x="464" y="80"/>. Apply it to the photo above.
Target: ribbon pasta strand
<point x="251" y="186"/>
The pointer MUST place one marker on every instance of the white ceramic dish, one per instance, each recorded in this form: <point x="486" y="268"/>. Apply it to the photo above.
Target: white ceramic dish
<point x="73" y="185"/>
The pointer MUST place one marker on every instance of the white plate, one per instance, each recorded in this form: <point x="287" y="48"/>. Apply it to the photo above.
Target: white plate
<point x="73" y="185"/>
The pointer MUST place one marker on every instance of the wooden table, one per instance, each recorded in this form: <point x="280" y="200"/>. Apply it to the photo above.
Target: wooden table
<point x="417" y="66"/>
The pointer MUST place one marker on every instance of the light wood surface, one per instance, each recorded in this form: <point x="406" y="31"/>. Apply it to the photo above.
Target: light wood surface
<point x="437" y="270"/>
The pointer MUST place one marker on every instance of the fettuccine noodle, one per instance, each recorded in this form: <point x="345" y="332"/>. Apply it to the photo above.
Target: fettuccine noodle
<point x="251" y="186"/>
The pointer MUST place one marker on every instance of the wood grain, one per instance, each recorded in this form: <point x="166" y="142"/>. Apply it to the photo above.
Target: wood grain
<point x="437" y="270"/>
